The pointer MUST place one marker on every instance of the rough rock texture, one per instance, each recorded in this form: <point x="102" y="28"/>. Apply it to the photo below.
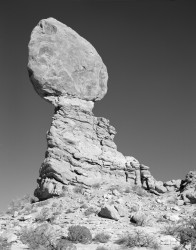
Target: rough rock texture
<point x="62" y="63"/>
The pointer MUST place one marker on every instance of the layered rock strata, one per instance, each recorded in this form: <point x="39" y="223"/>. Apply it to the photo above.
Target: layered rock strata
<point x="80" y="150"/>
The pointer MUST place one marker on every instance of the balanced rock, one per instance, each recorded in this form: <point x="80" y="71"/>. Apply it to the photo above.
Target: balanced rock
<point x="66" y="70"/>
<point x="62" y="63"/>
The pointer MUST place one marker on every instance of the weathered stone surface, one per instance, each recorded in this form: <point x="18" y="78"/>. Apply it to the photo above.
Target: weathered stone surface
<point x="62" y="63"/>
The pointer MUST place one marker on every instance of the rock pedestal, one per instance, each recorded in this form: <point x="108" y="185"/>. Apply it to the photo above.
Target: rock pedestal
<point x="80" y="150"/>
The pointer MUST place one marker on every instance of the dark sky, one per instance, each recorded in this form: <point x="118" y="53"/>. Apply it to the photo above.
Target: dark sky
<point x="149" y="48"/>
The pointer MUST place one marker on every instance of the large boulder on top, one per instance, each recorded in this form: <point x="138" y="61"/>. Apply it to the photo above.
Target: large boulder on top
<point x="62" y="63"/>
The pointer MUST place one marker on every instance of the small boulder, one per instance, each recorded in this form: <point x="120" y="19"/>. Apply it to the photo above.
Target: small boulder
<point x="139" y="218"/>
<point x="109" y="212"/>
